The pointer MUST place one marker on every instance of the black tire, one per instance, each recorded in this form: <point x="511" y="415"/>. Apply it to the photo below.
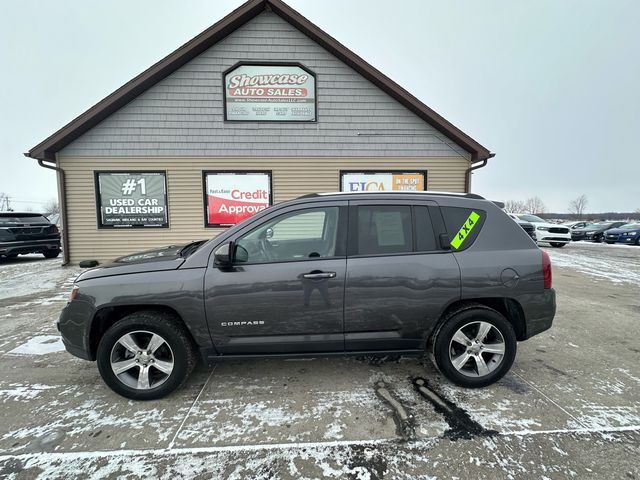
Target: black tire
<point x="458" y="319"/>
<point x="611" y="243"/>
<point x="12" y="255"/>
<point x="51" y="253"/>
<point x="557" y="244"/>
<point x="598" y="238"/>
<point x="172" y="332"/>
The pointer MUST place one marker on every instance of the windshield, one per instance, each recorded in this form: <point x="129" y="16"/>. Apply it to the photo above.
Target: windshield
<point x="531" y="218"/>
<point x="631" y="226"/>
<point x="599" y="225"/>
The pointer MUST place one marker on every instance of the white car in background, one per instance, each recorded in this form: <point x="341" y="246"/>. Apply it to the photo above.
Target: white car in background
<point x="555" y="235"/>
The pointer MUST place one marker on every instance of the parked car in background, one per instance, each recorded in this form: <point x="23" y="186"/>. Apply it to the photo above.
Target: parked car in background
<point x="527" y="227"/>
<point x="629" y="234"/>
<point x="555" y="235"/>
<point x="574" y="225"/>
<point x="594" y="232"/>
<point x="22" y="233"/>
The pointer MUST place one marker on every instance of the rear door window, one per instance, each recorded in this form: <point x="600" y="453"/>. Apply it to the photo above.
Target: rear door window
<point x="384" y="229"/>
<point x="463" y="225"/>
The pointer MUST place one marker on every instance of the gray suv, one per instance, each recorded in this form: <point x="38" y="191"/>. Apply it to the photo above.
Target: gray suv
<point x="325" y="274"/>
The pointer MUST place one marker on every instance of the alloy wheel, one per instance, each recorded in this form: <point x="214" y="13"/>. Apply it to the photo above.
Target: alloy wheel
<point x="142" y="359"/>
<point x="477" y="349"/>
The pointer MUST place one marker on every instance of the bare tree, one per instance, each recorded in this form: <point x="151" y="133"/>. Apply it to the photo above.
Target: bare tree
<point x="5" y="204"/>
<point x="514" y="206"/>
<point x="534" y="205"/>
<point x="51" y="207"/>
<point x="578" y="205"/>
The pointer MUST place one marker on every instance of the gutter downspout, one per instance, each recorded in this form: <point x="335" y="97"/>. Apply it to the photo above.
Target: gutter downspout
<point x="467" y="176"/>
<point x="62" y="198"/>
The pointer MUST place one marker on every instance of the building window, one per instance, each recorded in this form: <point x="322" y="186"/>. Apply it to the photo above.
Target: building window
<point x="230" y="197"/>
<point x="131" y="199"/>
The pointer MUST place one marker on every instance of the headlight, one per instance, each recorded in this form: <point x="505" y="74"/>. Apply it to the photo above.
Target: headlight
<point x="589" y="233"/>
<point x="74" y="292"/>
<point x="543" y="228"/>
<point x="631" y="233"/>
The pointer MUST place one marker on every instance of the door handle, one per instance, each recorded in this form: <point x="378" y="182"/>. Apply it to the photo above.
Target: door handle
<point x="319" y="275"/>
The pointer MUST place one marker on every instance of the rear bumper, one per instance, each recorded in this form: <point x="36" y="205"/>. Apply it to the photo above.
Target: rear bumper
<point x="29" y="246"/>
<point x="74" y="326"/>
<point x="539" y="312"/>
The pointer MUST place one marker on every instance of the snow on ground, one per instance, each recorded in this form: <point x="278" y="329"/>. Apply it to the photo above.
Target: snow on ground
<point x="616" y="263"/>
<point x="31" y="274"/>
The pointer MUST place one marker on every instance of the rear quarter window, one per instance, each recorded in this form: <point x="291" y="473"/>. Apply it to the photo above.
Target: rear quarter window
<point x="463" y="226"/>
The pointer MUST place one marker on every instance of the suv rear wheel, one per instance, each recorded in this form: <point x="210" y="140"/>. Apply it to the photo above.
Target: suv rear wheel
<point x="475" y="346"/>
<point x="145" y="356"/>
<point x="557" y="244"/>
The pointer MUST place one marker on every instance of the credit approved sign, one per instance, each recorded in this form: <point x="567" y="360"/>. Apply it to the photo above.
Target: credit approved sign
<point x="230" y="197"/>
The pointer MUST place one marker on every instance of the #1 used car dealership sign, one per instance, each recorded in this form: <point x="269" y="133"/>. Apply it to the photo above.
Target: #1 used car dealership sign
<point x="270" y="93"/>
<point x="230" y="197"/>
<point x="131" y="199"/>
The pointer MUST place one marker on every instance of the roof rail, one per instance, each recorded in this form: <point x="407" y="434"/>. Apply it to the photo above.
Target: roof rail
<point x="397" y="192"/>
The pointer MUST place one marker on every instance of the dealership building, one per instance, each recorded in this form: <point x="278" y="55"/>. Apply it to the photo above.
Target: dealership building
<point x="261" y="107"/>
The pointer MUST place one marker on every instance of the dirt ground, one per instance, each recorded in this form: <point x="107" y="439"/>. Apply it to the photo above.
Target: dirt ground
<point x="570" y="408"/>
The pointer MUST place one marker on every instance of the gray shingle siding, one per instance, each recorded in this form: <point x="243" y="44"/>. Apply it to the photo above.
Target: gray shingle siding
<point x="182" y="115"/>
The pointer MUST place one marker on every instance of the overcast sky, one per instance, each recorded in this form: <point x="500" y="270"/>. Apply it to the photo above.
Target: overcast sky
<point x="552" y="87"/>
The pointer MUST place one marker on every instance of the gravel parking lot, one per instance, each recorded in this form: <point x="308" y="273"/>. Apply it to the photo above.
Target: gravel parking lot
<point x="570" y="408"/>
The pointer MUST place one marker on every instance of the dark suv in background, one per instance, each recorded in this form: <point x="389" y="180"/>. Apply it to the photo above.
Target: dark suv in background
<point x="22" y="233"/>
<point x="326" y="274"/>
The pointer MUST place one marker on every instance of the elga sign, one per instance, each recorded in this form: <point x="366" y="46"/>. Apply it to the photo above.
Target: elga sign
<point x="230" y="197"/>
<point x="382" y="181"/>
<point x="270" y="93"/>
<point x="131" y="199"/>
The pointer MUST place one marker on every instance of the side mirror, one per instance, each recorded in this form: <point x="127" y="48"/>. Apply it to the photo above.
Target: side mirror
<point x="445" y="244"/>
<point x="222" y="257"/>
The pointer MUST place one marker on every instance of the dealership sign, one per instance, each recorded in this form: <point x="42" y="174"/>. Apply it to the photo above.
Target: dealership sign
<point x="230" y="197"/>
<point x="383" y="181"/>
<point x="131" y="199"/>
<point x="270" y="93"/>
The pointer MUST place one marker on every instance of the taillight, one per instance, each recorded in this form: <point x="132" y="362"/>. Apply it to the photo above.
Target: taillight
<point x="546" y="269"/>
<point x="54" y="228"/>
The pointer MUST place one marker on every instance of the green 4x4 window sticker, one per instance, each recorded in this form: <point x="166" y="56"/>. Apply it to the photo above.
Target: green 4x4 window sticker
<point x="466" y="228"/>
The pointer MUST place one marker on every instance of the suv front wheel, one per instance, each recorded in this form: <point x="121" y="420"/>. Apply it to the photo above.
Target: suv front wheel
<point x="145" y="356"/>
<point x="475" y="346"/>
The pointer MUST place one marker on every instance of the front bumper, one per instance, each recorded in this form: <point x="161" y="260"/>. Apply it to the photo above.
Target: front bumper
<point x="74" y="325"/>
<point x="544" y="236"/>
<point x="628" y="239"/>
<point x="29" y="246"/>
